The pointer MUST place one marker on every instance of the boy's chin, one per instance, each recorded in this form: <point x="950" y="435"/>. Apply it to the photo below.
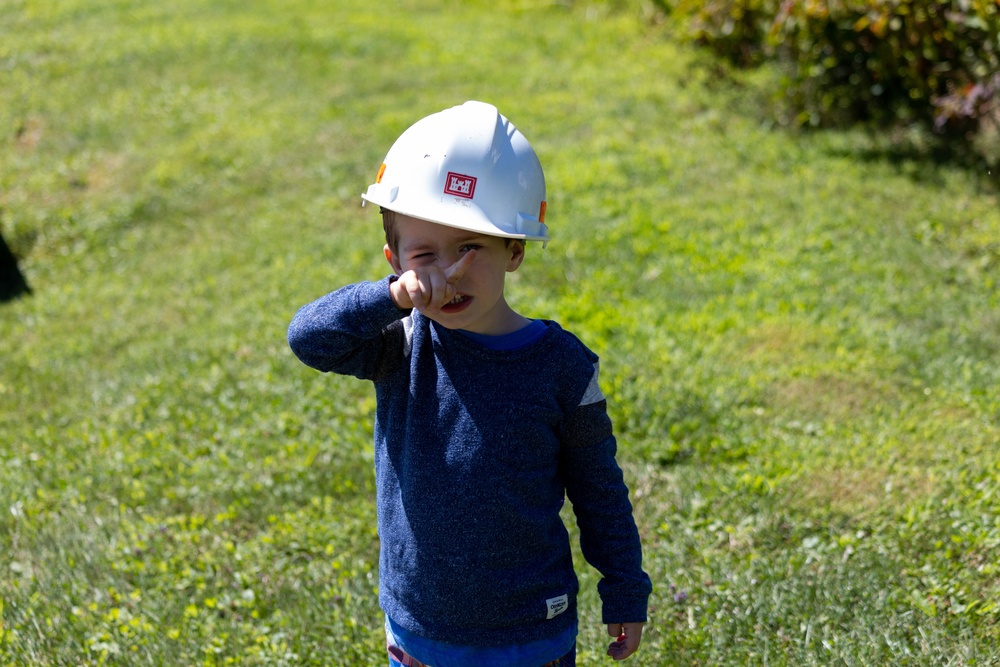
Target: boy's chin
<point x="453" y="326"/>
<point x="444" y="320"/>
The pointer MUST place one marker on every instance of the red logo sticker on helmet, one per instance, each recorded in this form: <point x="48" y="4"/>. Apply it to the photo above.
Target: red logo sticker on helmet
<point x="459" y="185"/>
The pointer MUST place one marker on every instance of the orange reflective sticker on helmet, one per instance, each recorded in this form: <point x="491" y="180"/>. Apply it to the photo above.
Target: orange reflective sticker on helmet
<point x="381" y="171"/>
<point x="541" y="213"/>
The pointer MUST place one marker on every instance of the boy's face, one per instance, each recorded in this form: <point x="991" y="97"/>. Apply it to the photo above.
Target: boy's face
<point x="479" y="305"/>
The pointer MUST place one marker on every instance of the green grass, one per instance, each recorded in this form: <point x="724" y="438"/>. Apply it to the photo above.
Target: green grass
<point x="798" y="334"/>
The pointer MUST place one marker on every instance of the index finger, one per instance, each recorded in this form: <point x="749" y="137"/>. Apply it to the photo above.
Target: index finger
<point x="455" y="272"/>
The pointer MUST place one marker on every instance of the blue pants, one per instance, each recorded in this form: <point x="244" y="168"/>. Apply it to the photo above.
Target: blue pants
<point x="399" y="658"/>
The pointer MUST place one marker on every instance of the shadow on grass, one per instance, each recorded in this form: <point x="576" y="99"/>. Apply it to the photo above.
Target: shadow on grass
<point x="924" y="158"/>
<point x="916" y="151"/>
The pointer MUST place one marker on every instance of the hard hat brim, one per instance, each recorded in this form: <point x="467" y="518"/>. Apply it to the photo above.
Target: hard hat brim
<point x="458" y="214"/>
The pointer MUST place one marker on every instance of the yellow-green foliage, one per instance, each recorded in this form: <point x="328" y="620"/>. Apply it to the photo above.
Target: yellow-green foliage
<point x="888" y="62"/>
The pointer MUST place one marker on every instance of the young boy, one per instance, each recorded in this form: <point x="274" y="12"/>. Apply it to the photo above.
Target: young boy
<point x="485" y="419"/>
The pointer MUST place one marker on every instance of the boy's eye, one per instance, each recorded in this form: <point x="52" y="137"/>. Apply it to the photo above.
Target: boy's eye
<point x="470" y="246"/>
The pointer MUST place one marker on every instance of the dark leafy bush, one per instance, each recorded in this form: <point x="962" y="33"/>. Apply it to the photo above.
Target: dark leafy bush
<point x="737" y="30"/>
<point x="885" y="62"/>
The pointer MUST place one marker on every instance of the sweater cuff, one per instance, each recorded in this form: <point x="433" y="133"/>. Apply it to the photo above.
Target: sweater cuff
<point x="625" y="610"/>
<point x="389" y="280"/>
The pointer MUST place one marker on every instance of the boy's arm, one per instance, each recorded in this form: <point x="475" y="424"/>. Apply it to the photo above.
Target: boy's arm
<point x="345" y="331"/>
<point x="609" y="538"/>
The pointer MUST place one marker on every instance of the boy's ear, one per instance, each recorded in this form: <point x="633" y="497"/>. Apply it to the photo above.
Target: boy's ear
<point x="516" y="255"/>
<point x="393" y="260"/>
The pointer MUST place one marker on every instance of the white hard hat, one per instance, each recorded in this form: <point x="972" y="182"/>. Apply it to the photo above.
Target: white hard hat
<point x="466" y="167"/>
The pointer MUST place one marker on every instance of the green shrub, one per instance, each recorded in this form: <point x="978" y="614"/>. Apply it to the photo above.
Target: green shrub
<point x="883" y="62"/>
<point x="736" y="30"/>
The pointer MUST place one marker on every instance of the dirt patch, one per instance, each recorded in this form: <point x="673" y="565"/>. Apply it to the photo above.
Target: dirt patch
<point x="28" y="134"/>
<point x="860" y="491"/>
<point x="786" y="342"/>
<point x="831" y="397"/>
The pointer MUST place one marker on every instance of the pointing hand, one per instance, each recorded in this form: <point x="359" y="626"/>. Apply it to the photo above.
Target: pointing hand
<point x="428" y="288"/>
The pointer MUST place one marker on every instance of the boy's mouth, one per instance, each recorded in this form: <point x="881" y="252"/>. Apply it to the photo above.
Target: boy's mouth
<point x="460" y="302"/>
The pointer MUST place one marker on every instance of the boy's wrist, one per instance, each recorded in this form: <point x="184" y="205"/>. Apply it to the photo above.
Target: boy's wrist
<point x="398" y="295"/>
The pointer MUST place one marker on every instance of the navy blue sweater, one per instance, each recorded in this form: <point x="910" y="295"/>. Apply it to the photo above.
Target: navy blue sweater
<point x="474" y="452"/>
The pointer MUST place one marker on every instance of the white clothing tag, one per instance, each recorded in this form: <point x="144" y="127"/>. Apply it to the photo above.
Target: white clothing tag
<point x="557" y="606"/>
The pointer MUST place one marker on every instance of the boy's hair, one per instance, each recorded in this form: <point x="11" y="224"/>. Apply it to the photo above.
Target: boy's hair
<point x="389" y="225"/>
<point x="392" y="236"/>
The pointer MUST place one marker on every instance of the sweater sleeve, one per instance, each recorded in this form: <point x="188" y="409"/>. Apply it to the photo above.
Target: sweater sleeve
<point x="348" y="331"/>
<point x="596" y="487"/>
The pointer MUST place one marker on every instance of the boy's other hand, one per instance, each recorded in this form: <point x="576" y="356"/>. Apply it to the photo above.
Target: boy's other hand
<point x="628" y="637"/>
<point x="428" y="288"/>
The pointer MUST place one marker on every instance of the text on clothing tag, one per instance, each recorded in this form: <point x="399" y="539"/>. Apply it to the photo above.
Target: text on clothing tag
<point x="557" y="605"/>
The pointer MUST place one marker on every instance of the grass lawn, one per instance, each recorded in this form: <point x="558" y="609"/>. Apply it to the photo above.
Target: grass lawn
<point x="799" y="335"/>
